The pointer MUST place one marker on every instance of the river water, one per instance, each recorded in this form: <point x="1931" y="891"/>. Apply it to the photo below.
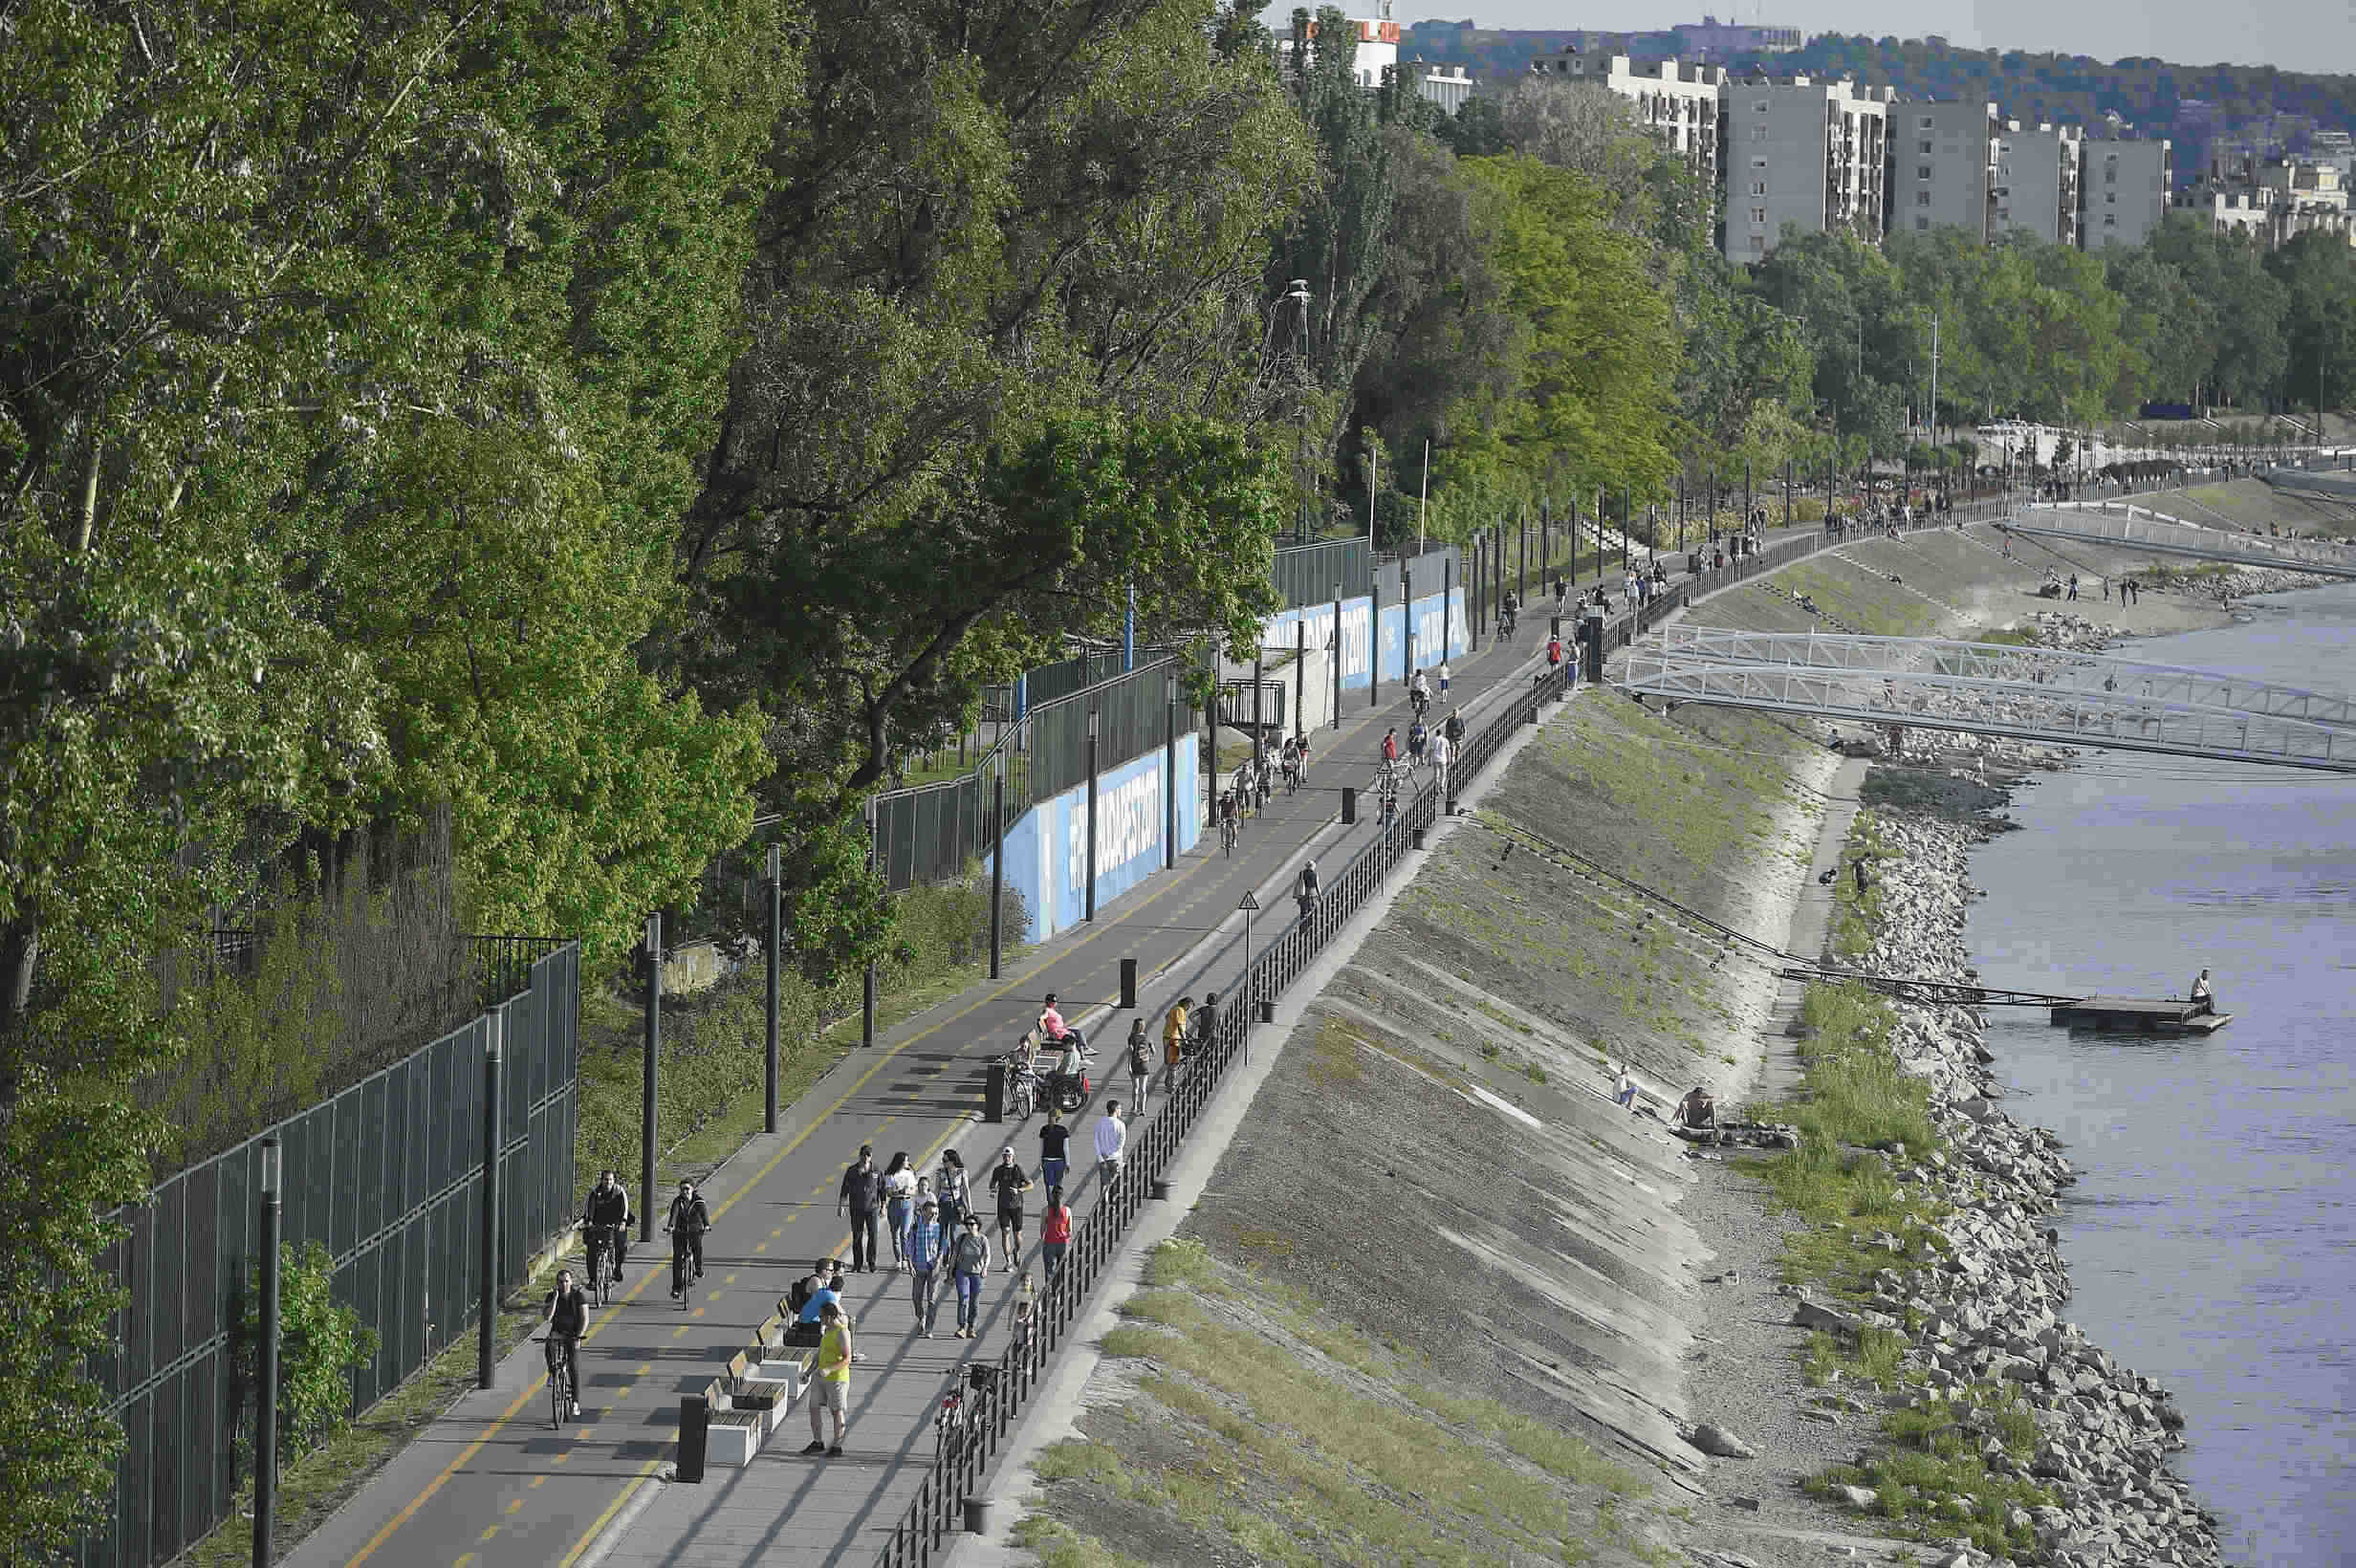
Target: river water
<point x="2212" y="1237"/>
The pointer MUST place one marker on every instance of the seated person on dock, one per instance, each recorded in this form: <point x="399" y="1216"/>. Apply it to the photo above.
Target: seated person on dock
<point x="2204" y="998"/>
<point x="1698" y="1109"/>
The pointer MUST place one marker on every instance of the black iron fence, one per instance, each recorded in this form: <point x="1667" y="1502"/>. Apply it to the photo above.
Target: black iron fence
<point x="965" y="1453"/>
<point x="1309" y="573"/>
<point x="387" y="1176"/>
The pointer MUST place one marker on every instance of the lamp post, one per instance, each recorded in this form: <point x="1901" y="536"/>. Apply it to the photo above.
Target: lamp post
<point x="1336" y="645"/>
<point x="646" y="1106"/>
<point x="769" y="995"/>
<point x="1092" y="814"/>
<point x="1169" y="771"/>
<point x="997" y="857"/>
<point x="266" y="1359"/>
<point x="486" y="1313"/>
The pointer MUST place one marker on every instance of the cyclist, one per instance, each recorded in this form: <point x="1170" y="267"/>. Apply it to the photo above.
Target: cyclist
<point x="1227" y="817"/>
<point x="567" y="1316"/>
<point x="1260" y="785"/>
<point x="688" y="1220"/>
<point x="605" y="1215"/>
<point x="1291" y="762"/>
<point x="1418" y="692"/>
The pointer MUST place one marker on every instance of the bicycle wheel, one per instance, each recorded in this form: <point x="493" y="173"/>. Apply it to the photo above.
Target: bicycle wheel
<point x="682" y="1281"/>
<point x="560" y="1385"/>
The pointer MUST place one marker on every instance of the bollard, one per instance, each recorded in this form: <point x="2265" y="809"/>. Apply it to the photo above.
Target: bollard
<point x="1265" y="1009"/>
<point x="1415" y="838"/>
<point x="1349" y="806"/>
<point x="977" y="1515"/>
<point x="1158" y="1190"/>
<point x="1128" y="983"/>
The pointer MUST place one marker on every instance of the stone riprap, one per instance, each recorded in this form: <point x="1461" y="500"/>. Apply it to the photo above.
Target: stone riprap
<point x="1988" y="1311"/>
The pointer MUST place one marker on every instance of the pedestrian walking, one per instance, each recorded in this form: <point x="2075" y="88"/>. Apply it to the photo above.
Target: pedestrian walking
<point x="1173" y="1045"/>
<point x="1054" y="1149"/>
<point x="861" y="1196"/>
<point x="1055" y="1231"/>
<point x="1140" y="1060"/>
<point x="1443" y="679"/>
<point x="1442" y="755"/>
<point x="830" y="1390"/>
<point x="1008" y="1183"/>
<point x="949" y="1190"/>
<point x="1112" y="1141"/>
<point x="968" y="1259"/>
<point x="899" y="1204"/>
<point x="925" y="1241"/>
<point x="1553" y="652"/>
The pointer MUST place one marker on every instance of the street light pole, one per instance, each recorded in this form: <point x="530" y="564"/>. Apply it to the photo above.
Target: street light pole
<point x="776" y="939"/>
<point x="1249" y="905"/>
<point x="266" y="1371"/>
<point x="645" y="1107"/>
<point x="1092" y="814"/>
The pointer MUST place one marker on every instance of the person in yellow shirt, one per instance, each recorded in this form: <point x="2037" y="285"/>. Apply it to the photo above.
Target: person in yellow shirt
<point x="830" y="1389"/>
<point x="1174" y="1043"/>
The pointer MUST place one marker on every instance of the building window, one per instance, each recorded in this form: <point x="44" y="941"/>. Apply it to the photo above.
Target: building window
<point x="1759" y="107"/>
<point x="2109" y="221"/>
<point x="1921" y="198"/>
<point x="1759" y="162"/>
<point x="1921" y="223"/>
<point x="1758" y="133"/>
<point x="1759" y="244"/>
<point x="1759" y="214"/>
<point x="2110" y="198"/>
<point x="1922" y="171"/>
<point x="1927" y="123"/>
<point x="1924" y="146"/>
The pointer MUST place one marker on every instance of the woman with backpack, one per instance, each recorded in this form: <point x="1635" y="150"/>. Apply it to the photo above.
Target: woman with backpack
<point x="1140" y="1060"/>
<point x="969" y="1260"/>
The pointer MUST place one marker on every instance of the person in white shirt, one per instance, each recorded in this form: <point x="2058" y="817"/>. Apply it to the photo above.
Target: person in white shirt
<point x="1112" y="1141"/>
<point x="1442" y="755"/>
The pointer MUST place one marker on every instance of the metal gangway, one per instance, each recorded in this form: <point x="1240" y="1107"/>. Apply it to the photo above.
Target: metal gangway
<point x="2161" y="537"/>
<point x="2033" y="694"/>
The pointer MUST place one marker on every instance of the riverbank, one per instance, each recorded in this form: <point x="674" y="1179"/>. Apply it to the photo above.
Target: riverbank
<point x="1435" y="1225"/>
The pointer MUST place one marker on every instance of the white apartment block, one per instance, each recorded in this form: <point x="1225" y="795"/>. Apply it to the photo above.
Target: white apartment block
<point x="2039" y="182"/>
<point x="1446" y="85"/>
<point x="1943" y="160"/>
<point x="1678" y="102"/>
<point x="1802" y="152"/>
<point x="2123" y="190"/>
<point x="2285" y="199"/>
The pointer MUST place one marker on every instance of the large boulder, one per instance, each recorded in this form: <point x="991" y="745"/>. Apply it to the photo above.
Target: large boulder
<point x="1714" y="1439"/>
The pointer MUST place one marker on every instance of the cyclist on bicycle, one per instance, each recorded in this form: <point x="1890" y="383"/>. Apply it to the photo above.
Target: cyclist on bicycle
<point x="567" y="1316"/>
<point x="688" y="1220"/>
<point x="1419" y="693"/>
<point x="1291" y="762"/>
<point x="1226" y="815"/>
<point x="605" y="1215"/>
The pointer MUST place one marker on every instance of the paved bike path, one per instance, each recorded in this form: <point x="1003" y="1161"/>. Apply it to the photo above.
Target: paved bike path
<point x="491" y="1485"/>
<point x="490" y="1482"/>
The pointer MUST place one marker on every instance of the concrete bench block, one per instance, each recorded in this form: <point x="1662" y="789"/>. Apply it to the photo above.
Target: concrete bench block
<point x="735" y="1437"/>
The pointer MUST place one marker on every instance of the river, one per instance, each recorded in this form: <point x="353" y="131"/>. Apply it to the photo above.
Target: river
<point x="2212" y="1237"/>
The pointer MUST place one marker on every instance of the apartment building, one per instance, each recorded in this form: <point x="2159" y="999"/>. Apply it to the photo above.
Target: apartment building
<point x="2273" y="202"/>
<point x="1678" y="101"/>
<point x="2124" y="191"/>
<point x="1943" y="167"/>
<point x="2039" y="185"/>
<point x="1446" y="85"/>
<point x="1802" y="152"/>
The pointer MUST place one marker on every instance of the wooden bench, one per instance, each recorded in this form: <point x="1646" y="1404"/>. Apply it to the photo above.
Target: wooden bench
<point x="749" y="1390"/>
<point x="732" y="1437"/>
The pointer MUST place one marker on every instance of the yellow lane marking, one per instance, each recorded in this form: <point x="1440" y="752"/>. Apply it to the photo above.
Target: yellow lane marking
<point x="515" y="1505"/>
<point x="464" y="1561"/>
<point x="641" y="1369"/>
<point x="487" y="1534"/>
<point x="760" y="1247"/>
<point x="680" y="1330"/>
<point x="611" y="1509"/>
<point x="540" y="1481"/>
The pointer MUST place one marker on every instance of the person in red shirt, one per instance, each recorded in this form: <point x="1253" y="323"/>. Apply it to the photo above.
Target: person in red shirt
<point x="1055" y="1231"/>
<point x="1390" y="744"/>
<point x="1553" y="652"/>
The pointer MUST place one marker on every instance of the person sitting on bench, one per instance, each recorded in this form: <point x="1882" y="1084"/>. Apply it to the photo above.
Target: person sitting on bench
<point x="1697" y="1110"/>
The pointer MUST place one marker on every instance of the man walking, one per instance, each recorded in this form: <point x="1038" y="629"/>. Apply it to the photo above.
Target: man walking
<point x="924" y="1243"/>
<point x="1010" y="1184"/>
<point x="862" y="1196"/>
<point x="1112" y="1141"/>
<point x="831" y="1390"/>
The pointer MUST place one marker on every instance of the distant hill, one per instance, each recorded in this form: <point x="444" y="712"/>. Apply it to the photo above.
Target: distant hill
<point x="2064" y="89"/>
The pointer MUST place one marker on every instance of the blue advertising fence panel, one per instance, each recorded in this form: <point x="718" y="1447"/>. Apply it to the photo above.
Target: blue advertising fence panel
<point x="1047" y="846"/>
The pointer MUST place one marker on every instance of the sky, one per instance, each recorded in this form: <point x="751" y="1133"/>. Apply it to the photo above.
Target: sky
<point x="2293" y="35"/>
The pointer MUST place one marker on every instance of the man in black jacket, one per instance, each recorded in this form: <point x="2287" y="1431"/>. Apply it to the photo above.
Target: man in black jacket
<point x="606" y="1217"/>
<point x="688" y="1220"/>
<point x="862" y="1196"/>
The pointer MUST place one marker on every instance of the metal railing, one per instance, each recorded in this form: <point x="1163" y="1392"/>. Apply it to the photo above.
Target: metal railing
<point x="964" y="1460"/>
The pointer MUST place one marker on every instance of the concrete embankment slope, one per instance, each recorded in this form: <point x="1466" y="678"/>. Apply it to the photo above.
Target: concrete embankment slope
<point x="1441" y="1299"/>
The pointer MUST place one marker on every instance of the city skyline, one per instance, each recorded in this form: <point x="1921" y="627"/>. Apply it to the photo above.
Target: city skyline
<point x="2288" y="34"/>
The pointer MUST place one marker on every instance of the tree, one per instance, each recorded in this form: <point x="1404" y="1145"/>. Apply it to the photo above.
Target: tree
<point x="2226" y="272"/>
<point x="2318" y="278"/>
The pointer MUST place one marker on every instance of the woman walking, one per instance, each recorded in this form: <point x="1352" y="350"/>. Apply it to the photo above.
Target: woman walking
<point x="899" y="1204"/>
<point x="949" y="1190"/>
<point x="968" y="1257"/>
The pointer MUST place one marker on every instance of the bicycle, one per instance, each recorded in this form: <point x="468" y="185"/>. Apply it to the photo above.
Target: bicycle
<point x="562" y="1396"/>
<point x="1227" y="829"/>
<point x="683" y="1276"/>
<point x="604" y="1243"/>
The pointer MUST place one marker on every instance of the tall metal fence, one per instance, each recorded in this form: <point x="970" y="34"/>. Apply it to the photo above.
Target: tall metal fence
<point x="931" y="833"/>
<point x="1309" y="573"/>
<point x="387" y="1176"/>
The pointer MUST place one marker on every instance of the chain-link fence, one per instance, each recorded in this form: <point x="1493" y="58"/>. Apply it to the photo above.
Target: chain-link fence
<point x="387" y="1177"/>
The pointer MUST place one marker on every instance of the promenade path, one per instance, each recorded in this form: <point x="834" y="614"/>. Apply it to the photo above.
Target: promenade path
<point x="491" y="1485"/>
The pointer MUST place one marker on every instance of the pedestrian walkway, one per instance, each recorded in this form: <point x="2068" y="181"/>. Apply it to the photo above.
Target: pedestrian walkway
<point x="490" y="1485"/>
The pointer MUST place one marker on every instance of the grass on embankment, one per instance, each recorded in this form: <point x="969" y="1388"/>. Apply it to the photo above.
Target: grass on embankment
<point x="1260" y="1427"/>
<point x="1855" y="1100"/>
